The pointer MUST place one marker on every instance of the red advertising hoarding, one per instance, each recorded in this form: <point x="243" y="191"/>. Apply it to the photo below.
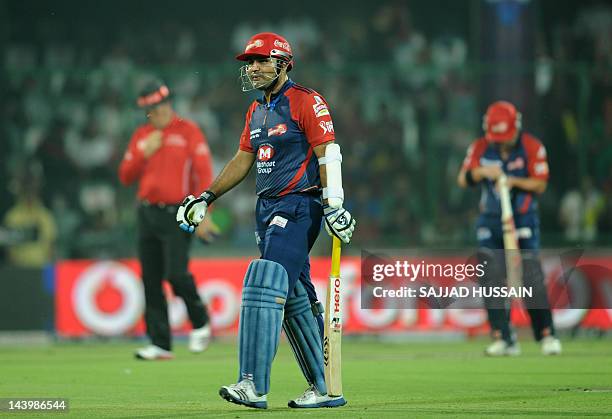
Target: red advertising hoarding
<point x="106" y="298"/>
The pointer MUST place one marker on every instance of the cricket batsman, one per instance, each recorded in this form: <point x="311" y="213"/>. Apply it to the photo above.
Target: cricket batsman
<point x="289" y="135"/>
<point x="506" y="149"/>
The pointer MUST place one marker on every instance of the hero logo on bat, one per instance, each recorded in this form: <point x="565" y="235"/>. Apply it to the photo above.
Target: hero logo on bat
<point x="279" y="129"/>
<point x="336" y="300"/>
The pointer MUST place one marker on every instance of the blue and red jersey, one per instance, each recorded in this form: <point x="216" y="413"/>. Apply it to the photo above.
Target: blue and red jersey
<point x="283" y="135"/>
<point x="526" y="159"/>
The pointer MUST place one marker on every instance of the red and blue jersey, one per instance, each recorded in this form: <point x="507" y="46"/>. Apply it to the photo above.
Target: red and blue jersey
<point x="282" y="134"/>
<point x="526" y="159"/>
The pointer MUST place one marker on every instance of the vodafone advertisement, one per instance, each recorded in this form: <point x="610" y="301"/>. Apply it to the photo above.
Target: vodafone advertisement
<point x="106" y="298"/>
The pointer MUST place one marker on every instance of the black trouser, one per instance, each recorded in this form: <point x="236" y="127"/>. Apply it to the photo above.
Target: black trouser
<point x="163" y="250"/>
<point x="498" y="309"/>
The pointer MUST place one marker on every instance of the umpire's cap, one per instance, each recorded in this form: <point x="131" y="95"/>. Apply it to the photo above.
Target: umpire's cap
<point x="153" y="93"/>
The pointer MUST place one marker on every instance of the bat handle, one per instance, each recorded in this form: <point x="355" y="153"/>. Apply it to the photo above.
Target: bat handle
<point x="336" y="251"/>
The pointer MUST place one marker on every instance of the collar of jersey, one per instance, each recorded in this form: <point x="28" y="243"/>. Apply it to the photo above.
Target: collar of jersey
<point x="276" y="97"/>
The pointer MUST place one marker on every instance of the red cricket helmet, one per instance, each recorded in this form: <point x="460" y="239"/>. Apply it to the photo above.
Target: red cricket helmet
<point x="267" y="44"/>
<point x="501" y="122"/>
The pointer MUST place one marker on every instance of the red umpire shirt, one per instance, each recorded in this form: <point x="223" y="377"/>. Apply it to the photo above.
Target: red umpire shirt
<point x="182" y="165"/>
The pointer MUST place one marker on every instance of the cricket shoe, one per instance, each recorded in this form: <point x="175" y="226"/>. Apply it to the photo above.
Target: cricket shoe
<point x="502" y="348"/>
<point x="153" y="353"/>
<point x="243" y="393"/>
<point x="551" y="346"/>
<point x="313" y="399"/>
<point x="199" y="339"/>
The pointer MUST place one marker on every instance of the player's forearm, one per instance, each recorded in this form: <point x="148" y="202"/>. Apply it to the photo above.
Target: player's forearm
<point x="323" y="176"/>
<point x="233" y="173"/>
<point x="528" y="184"/>
<point x="469" y="177"/>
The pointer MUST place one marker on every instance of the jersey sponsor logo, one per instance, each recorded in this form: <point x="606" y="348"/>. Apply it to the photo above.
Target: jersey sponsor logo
<point x="255" y="44"/>
<point x="320" y="107"/>
<point x="280" y="129"/>
<point x="516" y="164"/>
<point x="540" y="168"/>
<point x="255" y="133"/>
<point x="202" y="149"/>
<point x="279" y="221"/>
<point x="541" y="154"/>
<point x="264" y="155"/>
<point x="327" y="126"/>
<point x="265" y="152"/>
<point x="176" y="140"/>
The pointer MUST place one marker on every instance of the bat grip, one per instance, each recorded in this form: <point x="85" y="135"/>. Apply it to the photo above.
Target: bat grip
<point x="336" y="251"/>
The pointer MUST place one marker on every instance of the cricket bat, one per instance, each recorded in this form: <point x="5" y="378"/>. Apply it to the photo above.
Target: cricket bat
<point x="514" y="269"/>
<point x="332" y="338"/>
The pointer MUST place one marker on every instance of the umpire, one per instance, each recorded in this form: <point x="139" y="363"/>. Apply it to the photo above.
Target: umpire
<point x="170" y="158"/>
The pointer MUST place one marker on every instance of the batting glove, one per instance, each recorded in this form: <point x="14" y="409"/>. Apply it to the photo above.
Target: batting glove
<point x="193" y="210"/>
<point x="339" y="222"/>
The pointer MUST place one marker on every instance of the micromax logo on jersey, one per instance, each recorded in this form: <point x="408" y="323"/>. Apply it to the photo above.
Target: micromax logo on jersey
<point x="279" y="129"/>
<point x="326" y="126"/>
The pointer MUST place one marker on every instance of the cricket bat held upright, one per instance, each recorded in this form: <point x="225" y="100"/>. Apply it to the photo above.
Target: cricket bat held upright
<point x="332" y="338"/>
<point x="514" y="271"/>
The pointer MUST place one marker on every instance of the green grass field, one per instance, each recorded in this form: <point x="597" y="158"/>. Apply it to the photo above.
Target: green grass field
<point x="380" y="380"/>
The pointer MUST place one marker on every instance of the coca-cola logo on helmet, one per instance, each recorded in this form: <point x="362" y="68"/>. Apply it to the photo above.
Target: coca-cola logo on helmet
<point x="282" y="44"/>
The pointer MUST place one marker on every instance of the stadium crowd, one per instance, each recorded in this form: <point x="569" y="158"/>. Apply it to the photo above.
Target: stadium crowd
<point x="404" y="99"/>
